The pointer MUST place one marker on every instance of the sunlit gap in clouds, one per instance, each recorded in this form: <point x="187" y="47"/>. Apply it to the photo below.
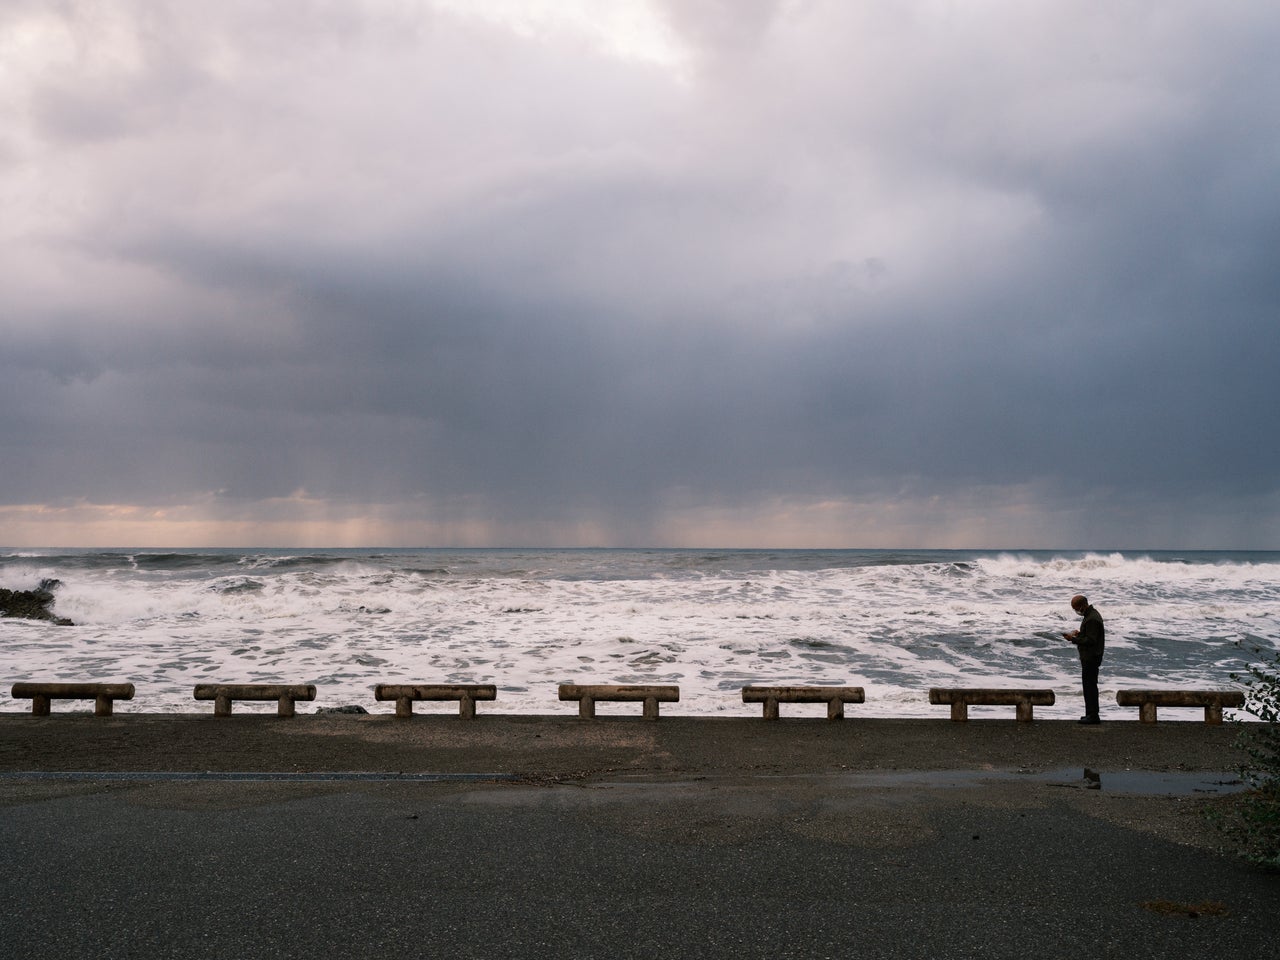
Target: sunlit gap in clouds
<point x="301" y="519"/>
<point x="625" y="29"/>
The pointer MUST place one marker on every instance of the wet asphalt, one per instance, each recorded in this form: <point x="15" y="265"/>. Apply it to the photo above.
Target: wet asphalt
<point x="715" y="867"/>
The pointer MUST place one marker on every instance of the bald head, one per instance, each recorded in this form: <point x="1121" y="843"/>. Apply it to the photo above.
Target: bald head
<point x="1078" y="603"/>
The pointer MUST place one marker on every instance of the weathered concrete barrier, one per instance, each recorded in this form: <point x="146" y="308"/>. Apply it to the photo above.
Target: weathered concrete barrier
<point x="961" y="698"/>
<point x="834" y="697"/>
<point x="223" y="694"/>
<point x="41" y="695"/>
<point x="1148" y="700"/>
<point x="404" y="694"/>
<point x="587" y="695"/>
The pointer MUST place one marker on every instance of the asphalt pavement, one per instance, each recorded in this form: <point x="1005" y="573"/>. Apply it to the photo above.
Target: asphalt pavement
<point x="656" y="857"/>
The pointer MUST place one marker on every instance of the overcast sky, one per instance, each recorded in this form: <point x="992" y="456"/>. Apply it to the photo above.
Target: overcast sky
<point x="676" y="272"/>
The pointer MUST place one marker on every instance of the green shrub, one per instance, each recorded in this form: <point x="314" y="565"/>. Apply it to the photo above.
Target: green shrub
<point x="1262" y="699"/>
<point x="1254" y="820"/>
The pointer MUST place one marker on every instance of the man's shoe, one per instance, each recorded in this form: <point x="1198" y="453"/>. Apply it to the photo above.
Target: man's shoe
<point x="1089" y="720"/>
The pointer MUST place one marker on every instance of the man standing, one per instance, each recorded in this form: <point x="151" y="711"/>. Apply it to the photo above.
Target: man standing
<point x="1090" y="639"/>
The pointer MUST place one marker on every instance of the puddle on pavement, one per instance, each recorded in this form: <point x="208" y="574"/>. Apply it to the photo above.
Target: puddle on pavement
<point x="1144" y="783"/>
<point x="1147" y="783"/>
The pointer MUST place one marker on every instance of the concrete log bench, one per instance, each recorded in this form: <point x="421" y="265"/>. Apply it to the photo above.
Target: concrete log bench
<point x="404" y="694"/>
<point x="961" y="698"/>
<point x="1148" y="700"/>
<point x="41" y="695"/>
<point x="223" y="694"/>
<point x="834" y="697"/>
<point x="587" y="695"/>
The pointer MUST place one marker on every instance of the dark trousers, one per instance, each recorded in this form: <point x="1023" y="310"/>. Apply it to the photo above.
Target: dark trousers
<point x="1089" y="681"/>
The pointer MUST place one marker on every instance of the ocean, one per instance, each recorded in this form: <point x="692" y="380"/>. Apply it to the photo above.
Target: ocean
<point x="711" y="621"/>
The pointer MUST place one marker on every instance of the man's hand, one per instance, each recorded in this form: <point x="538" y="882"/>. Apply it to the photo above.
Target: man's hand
<point x="1071" y="635"/>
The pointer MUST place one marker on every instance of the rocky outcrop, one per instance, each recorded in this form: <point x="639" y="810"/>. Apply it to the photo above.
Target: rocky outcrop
<point x="31" y="604"/>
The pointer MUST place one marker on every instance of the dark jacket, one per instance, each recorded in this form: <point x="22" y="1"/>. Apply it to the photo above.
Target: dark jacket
<point x="1093" y="635"/>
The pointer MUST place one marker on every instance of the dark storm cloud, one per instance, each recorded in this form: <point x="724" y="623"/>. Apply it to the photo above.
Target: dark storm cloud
<point x="869" y="256"/>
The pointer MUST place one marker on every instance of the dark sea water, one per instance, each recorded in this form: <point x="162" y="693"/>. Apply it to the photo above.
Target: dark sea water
<point x="895" y="622"/>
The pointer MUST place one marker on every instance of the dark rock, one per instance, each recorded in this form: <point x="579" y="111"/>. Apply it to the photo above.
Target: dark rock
<point x="31" y="604"/>
<point x="349" y="708"/>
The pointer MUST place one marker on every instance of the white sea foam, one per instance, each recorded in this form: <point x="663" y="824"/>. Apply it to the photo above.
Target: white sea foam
<point x="710" y="623"/>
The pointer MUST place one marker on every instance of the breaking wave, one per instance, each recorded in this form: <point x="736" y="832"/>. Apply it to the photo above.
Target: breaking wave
<point x="895" y="622"/>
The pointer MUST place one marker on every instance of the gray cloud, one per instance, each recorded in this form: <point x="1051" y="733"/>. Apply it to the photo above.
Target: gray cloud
<point x="863" y="255"/>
